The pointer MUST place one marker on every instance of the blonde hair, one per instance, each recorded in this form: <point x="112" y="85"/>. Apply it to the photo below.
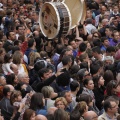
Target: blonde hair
<point x="81" y="106"/>
<point x="14" y="95"/>
<point x="61" y="99"/>
<point x="33" y="56"/>
<point x="46" y="91"/>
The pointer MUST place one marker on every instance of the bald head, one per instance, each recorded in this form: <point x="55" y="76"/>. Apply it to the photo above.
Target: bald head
<point x="40" y="117"/>
<point x="51" y="110"/>
<point x="90" y="115"/>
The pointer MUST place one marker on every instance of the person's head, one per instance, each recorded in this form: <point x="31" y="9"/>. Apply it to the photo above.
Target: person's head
<point x="108" y="76"/>
<point x="73" y="44"/>
<point x="68" y="96"/>
<point x="60" y="114"/>
<point x="88" y="83"/>
<point x="61" y="103"/>
<point x="40" y="117"/>
<point x="14" y="68"/>
<point x="108" y="60"/>
<point x="81" y="107"/>
<point x="7" y="90"/>
<point x="15" y="97"/>
<point x="90" y="115"/>
<point x="59" y="48"/>
<point x="75" y="115"/>
<point x="7" y="58"/>
<point x="2" y="52"/>
<point x="95" y="68"/>
<point x="31" y="43"/>
<point x="104" y="22"/>
<point x="17" y="57"/>
<point x="105" y="41"/>
<point x="37" y="101"/>
<point x="96" y="51"/>
<point x="86" y="98"/>
<point x="10" y="35"/>
<point x="20" y="29"/>
<point x="29" y="114"/>
<point x="89" y="13"/>
<point x="98" y="81"/>
<point x="110" y="51"/>
<point x="116" y="35"/>
<point x="112" y="88"/>
<point x="82" y="74"/>
<point x="47" y="91"/>
<point x="44" y="73"/>
<point x="108" y="31"/>
<point x="74" y="86"/>
<point x="110" y="106"/>
<point x="103" y="9"/>
<point x="82" y="47"/>
<point x="11" y="79"/>
<point x="67" y="61"/>
<point x="88" y="21"/>
<point x="51" y="110"/>
<point x="23" y="78"/>
<point x="78" y="41"/>
<point x="2" y="80"/>
<point x="115" y="8"/>
<point x="84" y="57"/>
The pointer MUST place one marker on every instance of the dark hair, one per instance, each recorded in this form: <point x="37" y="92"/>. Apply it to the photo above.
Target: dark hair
<point x="103" y="39"/>
<point x="97" y="42"/>
<point x="7" y="57"/>
<point x="8" y="34"/>
<point x="94" y="68"/>
<point x="50" y="117"/>
<point x="17" y="27"/>
<point x="96" y="79"/>
<point x="66" y="59"/>
<point x="31" y="43"/>
<point x="108" y="76"/>
<point x="73" y="85"/>
<point x="10" y="79"/>
<point x="109" y="88"/>
<point x="82" y="47"/>
<point x="6" y="89"/>
<point x="107" y="103"/>
<point x="27" y="114"/>
<point x="42" y="71"/>
<point x="86" y="81"/>
<point x="36" y="101"/>
<point x="60" y="115"/>
<point x="59" y="48"/>
<point x="75" y="115"/>
<point x="84" y="97"/>
<point x="110" y="49"/>
<point x="96" y="49"/>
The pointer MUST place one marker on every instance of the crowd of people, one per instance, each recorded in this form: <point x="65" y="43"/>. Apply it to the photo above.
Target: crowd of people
<point x="72" y="77"/>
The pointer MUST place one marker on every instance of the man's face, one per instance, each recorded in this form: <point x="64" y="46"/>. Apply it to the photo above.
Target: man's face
<point x="116" y="36"/>
<point x="46" y="75"/>
<point x="68" y="97"/>
<point x="114" y="107"/>
<point x="106" y="43"/>
<point x="21" y="30"/>
<point x="108" y="32"/>
<point x="25" y="79"/>
<point x="12" y="36"/>
<point x="73" y="44"/>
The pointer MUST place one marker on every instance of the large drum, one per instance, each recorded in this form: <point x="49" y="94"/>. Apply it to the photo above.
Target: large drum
<point x="84" y="11"/>
<point x="55" y="19"/>
<point x="76" y="10"/>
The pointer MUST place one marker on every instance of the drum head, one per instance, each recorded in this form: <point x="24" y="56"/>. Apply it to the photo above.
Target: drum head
<point x="76" y="10"/>
<point x="84" y="12"/>
<point x="49" y="20"/>
<point x="58" y="0"/>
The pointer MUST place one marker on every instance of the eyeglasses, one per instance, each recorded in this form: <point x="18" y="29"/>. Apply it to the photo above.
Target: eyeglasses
<point x="114" y="106"/>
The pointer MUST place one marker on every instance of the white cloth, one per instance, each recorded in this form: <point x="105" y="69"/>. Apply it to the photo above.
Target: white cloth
<point x="90" y="27"/>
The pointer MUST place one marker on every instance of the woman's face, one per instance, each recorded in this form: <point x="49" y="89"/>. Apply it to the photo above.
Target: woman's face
<point x="90" y="85"/>
<point x="101" y="81"/>
<point x="60" y="105"/>
<point x="16" y="80"/>
<point x="33" y="116"/>
<point x="117" y="89"/>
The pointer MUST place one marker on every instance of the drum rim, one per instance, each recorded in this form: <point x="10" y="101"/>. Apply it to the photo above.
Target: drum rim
<point x="69" y="14"/>
<point x="57" y="14"/>
<point x="81" y="3"/>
